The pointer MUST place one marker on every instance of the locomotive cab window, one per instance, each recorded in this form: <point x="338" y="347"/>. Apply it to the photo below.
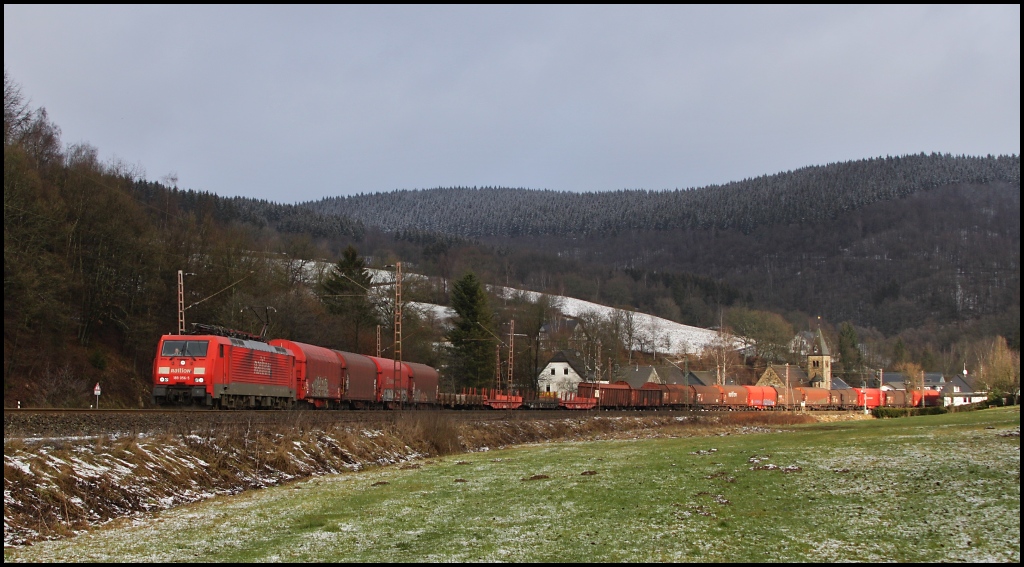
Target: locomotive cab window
<point x="185" y="348"/>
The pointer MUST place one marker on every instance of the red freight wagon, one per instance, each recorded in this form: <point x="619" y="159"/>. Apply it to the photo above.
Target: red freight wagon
<point x="647" y="396"/>
<point x="495" y="398"/>
<point x="709" y="397"/>
<point x="318" y="373"/>
<point x="677" y="395"/>
<point x="734" y="397"/>
<point x="846" y="399"/>
<point x="393" y="385"/>
<point x="361" y="379"/>
<point x="927" y="398"/>
<point x="761" y="397"/>
<point x="569" y="400"/>
<point x="423" y="383"/>
<point x="785" y="398"/>
<point x="586" y="389"/>
<point x="618" y="395"/>
<point x="533" y="399"/>
<point x="873" y="397"/>
<point x="895" y="398"/>
<point x="815" y="398"/>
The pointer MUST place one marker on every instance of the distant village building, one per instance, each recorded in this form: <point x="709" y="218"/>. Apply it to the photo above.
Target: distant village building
<point x="839" y="384"/>
<point x="670" y="374"/>
<point x="562" y="373"/>
<point x="819" y="368"/>
<point x="800" y="344"/>
<point x="701" y="378"/>
<point x="637" y="376"/>
<point x="784" y="376"/>
<point x="956" y="391"/>
<point x="819" y="363"/>
<point x="676" y="375"/>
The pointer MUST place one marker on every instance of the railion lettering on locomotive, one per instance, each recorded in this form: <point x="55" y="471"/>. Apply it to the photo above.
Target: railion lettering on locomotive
<point x="261" y="366"/>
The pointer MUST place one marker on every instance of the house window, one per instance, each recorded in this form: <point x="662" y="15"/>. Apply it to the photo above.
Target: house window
<point x="552" y="371"/>
<point x="566" y="371"/>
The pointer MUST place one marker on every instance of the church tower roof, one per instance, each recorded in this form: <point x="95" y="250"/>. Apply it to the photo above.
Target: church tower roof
<point x="820" y="347"/>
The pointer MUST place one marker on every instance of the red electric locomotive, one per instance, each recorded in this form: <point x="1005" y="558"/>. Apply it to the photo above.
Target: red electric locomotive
<point x="221" y="371"/>
<point x="231" y="369"/>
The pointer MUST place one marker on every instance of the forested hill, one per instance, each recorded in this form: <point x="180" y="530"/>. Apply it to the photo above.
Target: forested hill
<point x="259" y="213"/>
<point x="809" y="194"/>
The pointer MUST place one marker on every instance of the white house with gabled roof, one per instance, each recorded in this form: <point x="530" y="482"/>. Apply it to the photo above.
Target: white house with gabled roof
<point x="561" y="374"/>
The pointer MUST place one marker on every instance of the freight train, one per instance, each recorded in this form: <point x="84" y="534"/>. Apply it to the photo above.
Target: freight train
<point x="235" y="370"/>
<point x="620" y="395"/>
<point x="227" y="369"/>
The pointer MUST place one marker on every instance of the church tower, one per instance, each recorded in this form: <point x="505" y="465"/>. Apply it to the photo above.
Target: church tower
<point x="819" y="363"/>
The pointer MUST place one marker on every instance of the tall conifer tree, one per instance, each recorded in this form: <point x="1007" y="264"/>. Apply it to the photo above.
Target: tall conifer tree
<point x="345" y="292"/>
<point x="473" y="344"/>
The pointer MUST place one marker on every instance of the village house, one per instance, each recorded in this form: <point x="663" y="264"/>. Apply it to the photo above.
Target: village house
<point x="783" y="376"/>
<point x="562" y="373"/>
<point x="956" y="391"/>
<point x="637" y="376"/>
<point x="800" y="344"/>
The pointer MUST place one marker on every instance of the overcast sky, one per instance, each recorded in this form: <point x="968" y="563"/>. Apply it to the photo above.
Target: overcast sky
<point x="293" y="104"/>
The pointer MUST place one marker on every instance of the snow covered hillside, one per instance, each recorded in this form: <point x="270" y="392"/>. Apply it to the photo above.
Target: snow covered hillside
<point x="653" y="333"/>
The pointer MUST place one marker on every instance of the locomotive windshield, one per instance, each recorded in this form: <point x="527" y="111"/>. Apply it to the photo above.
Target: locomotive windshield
<point x="185" y="348"/>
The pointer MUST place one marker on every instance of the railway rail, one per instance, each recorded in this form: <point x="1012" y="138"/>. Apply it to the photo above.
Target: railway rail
<point x="70" y="422"/>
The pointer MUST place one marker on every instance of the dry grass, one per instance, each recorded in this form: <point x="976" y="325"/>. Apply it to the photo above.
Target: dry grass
<point x="429" y="432"/>
<point x="67" y="485"/>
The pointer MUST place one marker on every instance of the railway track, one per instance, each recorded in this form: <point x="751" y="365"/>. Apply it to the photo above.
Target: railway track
<point x="55" y="423"/>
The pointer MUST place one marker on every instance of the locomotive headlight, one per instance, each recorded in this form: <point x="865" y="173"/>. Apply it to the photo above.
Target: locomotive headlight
<point x="199" y="380"/>
<point x="164" y="379"/>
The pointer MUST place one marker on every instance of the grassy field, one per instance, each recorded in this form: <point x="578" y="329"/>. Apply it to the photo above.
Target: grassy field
<point x="920" y="489"/>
